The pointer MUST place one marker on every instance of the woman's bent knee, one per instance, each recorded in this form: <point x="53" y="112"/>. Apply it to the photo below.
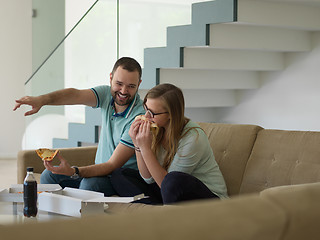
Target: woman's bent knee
<point x="173" y="180"/>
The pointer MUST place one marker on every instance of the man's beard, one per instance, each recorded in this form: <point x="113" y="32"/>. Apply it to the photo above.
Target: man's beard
<point x="118" y="98"/>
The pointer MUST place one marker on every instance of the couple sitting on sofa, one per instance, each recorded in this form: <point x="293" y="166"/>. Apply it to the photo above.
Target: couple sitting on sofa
<point x="176" y="165"/>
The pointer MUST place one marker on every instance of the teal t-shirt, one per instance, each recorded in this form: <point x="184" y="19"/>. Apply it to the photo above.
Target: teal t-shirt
<point x="115" y="126"/>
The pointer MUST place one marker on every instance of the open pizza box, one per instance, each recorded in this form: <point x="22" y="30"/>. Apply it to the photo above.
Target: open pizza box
<point x="77" y="202"/>
<point x="71" y="202"/>
<point x="68" y="201"/>
<point x="15" y="192"/>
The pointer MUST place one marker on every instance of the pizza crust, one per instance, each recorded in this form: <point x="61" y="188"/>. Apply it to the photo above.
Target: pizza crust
<point x="46" y="154"/>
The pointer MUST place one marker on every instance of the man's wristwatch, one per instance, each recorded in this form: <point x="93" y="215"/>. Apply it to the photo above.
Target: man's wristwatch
<point x="76" y="173"/>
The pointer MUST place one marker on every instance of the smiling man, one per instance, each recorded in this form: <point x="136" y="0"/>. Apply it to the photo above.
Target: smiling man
<point x="120" y="103"/>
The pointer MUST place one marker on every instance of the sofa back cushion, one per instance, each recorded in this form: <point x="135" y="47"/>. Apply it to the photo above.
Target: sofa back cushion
<point x="232" y="145"/>
<point x="78" y="156"/>
<point x="282" y="157"/>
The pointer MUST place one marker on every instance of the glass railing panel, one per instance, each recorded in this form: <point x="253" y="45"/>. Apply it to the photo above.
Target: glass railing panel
<point x="91" y="50"/>
<point x="50" y="121"/>
<point x="48" y="29"/>
<point x="84" y="59"/>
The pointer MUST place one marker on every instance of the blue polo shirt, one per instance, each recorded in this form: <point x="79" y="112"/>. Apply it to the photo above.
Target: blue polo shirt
<point x="115" y="126"/>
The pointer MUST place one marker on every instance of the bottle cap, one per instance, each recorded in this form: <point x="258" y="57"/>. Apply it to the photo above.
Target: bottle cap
<point x="29" y="169"/>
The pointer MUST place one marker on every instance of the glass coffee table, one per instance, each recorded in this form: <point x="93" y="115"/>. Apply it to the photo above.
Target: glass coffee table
<point x="11" y="205"/>
<point x="69" y="203"/>
<point x="12" y="213"/>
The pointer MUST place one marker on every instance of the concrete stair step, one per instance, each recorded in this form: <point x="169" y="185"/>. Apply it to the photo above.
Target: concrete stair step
<point x="209" y="79"/>
<point x="212" y="58"/>
<point x="290" y="14"/>
<point x="241" y="36"/>
<point x="209" y="98"/>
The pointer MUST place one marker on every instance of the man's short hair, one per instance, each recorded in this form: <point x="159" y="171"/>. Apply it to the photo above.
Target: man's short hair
<point x="128" y="64"/>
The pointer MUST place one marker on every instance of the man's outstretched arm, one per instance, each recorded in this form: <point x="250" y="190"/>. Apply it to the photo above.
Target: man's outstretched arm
<point x="68" y="96"/>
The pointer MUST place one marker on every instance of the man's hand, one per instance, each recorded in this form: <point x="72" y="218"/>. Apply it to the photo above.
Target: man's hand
<point x="35" y="102"/>
<point x="64" y="168"/>
<point x="68" y="96"/>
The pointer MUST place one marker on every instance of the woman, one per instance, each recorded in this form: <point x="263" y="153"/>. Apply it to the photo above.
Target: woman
<point x="176" y="165"/>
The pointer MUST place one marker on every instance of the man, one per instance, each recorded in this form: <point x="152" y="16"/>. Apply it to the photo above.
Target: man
<point x="120" y="104"/>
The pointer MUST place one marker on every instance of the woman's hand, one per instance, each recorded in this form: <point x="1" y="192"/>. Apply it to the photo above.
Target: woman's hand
<point x="64" y="167"/>
<point x="133" y="131"/>
<point x="144" y="135"/>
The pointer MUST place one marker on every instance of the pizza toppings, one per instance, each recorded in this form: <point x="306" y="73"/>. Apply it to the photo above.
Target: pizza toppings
<point x="46" y="154"/>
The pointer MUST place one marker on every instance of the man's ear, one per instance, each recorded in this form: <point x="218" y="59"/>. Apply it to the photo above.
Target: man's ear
<point x="110" y="77"/>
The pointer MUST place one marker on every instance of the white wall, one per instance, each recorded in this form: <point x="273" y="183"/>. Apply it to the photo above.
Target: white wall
<point x="288" y="99"/>
<point x="15" y="68"/>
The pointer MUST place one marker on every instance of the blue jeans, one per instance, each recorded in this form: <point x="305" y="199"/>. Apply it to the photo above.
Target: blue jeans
<point x="175" y="187"/>
<point x="97" y="184"/>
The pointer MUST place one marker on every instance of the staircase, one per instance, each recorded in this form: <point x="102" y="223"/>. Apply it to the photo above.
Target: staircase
<point x="226" y="48"/>
<point x="231" y="47"/>
<point x="82" y="134"/>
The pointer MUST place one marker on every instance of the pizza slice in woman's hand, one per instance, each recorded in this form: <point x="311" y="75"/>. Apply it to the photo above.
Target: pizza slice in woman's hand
<point x="153" y="126"/>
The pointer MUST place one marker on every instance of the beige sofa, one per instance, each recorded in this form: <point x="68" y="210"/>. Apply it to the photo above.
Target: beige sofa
<point x="272" y="178"/>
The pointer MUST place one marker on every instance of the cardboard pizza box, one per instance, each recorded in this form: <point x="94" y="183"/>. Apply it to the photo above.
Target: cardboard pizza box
<point x="68" y="201"/>
<point x="71" y="202"/>
<point x="77" y="202"/>
<point x="15" y="192"/>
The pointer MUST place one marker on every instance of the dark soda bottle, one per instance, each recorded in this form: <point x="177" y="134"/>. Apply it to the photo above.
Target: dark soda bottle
<point x="30" y="194"/>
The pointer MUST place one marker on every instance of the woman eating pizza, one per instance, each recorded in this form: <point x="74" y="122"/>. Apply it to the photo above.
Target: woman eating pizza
<point x="175" y="164"/>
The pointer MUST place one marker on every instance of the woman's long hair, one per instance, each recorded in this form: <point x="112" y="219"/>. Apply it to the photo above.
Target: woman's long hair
<point x="173" y="102"/>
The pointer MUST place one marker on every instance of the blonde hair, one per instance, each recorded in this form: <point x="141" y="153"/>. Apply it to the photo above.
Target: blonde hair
<point x="173" y="102"/>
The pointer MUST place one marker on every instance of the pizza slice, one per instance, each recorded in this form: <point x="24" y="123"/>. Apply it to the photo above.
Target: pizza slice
<point x="153" y="127"/>
<point x="46" y="154"/>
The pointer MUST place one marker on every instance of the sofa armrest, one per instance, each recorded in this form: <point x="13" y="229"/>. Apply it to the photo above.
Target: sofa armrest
<point x="78" y="156"/>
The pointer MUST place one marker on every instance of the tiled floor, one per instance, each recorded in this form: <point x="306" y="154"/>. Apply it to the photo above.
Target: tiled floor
<point x="8" y="172"/>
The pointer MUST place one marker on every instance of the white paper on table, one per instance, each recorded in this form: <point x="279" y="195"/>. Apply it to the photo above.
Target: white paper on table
<point x="118" y="199"/>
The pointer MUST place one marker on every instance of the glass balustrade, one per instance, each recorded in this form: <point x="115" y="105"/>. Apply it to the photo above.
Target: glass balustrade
<point x="75" y="44"/>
